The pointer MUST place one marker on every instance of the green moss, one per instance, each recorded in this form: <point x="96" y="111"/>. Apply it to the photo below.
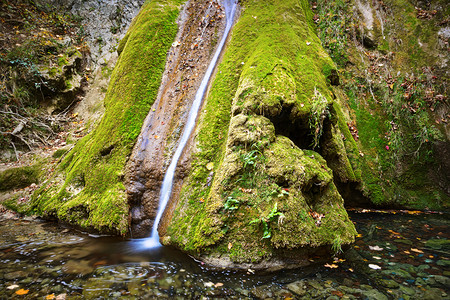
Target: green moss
<point x="273" y="62"/>
<point x="20" y="177"/>
<point x="88" y="190"/>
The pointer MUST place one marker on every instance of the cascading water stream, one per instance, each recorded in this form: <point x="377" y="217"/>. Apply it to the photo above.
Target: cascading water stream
<point x="166" y="188"/>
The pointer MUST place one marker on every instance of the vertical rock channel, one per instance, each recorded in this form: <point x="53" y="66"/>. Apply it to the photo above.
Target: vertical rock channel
<point x="190" y="65"/>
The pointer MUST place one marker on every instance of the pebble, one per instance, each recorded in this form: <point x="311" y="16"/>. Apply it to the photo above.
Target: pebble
<point x="297" y="287"/>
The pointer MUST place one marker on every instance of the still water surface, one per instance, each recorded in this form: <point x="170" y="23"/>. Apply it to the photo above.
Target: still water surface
<point x="396" y="256"/>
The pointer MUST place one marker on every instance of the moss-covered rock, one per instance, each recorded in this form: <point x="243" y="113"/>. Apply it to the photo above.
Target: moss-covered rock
<point x="268" y="199"/>
<point x="392" y="57"/>
<point x="88" y="188"/>
<point x="20" y="177"/>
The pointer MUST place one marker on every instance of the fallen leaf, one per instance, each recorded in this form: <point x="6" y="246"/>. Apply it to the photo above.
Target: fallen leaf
<point x="11" y="287"/>
<point x="375" y="267"/>
<point x="22" y="292"/>
<point x="208" y="284"/>
<point x="219" y="284"/>
<point x="350" y="269"/>
<point x="376" y="248"/>
<point x="332" y="266"/>
<point x="50" y="297"/>
<point x="230" y="245"/>
<point x="416" y="250"/>
<point x="393" y="232"/>
<point x="376" y="257"/>
<point x="337" y="293"/>
<point x="406" y="252"/>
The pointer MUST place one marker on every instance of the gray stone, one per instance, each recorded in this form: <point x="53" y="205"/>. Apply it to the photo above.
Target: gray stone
<point x="15" y="275"/>
<point x="432" y="294"/>
<point x="438" y="244"/>
<point x="297" y="287"/>
<point x="262" y="292"/>
<point x="407" y="290"/>
<point x="443" y="262"/>
<point x="389" y="283"/>
<point x="373" y="295"/>
<point x="82" y="267"/>
<point x="315" y="284"/>
<point x="423" y="267"/>
<point x="445" y="281"/>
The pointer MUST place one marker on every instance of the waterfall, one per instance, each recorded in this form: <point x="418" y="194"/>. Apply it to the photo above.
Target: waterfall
<point x="166" y="188"/>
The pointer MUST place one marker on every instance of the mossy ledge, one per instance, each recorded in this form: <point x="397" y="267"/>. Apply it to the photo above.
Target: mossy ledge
<point x="87" y="190"/>
<point x="258" y="195"/>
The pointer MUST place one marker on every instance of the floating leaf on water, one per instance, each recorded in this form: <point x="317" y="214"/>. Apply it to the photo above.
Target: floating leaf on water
<point x="416" y="250"/>
<point x="376" y="248"/>
<point x="11" y="287"/>
<point x="22" y="292"/>
<point x="375" y="267"/>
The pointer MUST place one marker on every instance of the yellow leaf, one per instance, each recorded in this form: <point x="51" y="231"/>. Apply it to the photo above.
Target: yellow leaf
<point x="332" y="266"/>
<point x="50" y="297"/>
<point x="416" y="250"/>
<point x="230" y="245"/>
<point x="22" y="292"/>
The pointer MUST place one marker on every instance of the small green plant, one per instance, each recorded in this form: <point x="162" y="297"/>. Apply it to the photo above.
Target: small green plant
<point x="249" y="158"/>
<point x="336" y="247"/>
<point x="231" y="204"/>
<point x="319" y="112"/>
<point x="265" y="221"/>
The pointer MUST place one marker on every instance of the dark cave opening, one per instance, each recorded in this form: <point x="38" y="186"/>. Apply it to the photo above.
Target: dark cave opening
<point x="299" y="132"/>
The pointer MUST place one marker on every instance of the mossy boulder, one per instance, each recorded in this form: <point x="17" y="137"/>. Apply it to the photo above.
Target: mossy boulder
<point x="270" y="199"/>
<point x="88" y="189"/>
<point x="20" y="177"/>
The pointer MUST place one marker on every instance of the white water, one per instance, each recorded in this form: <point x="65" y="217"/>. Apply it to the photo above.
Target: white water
<point x="166" y="188"/>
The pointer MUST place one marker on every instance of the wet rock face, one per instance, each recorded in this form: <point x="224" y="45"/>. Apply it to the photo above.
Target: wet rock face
<point x="273" y="138"/>
<point x="104" y="22"/>
<point x="200" y="28"/>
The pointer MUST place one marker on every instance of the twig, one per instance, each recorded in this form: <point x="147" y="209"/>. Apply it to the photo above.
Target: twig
<point x="15" y="151"/>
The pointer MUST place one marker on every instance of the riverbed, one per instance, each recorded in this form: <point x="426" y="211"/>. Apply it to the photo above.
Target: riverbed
<point x="397" y="255"/>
